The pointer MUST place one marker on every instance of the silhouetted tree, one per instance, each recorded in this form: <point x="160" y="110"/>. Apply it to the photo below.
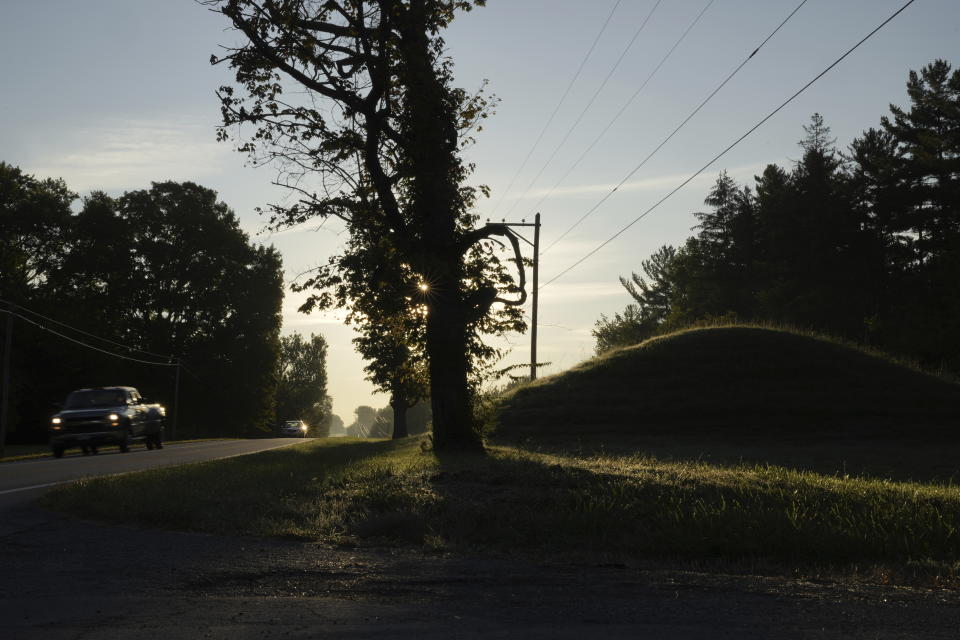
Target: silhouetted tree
<point x="928" y="134"/>
<point x="929" y="138"/>
<point x="34" y="218"/>
<point x="880" y="203"/>
<point x="653" y="297"/>
<point x="383" y="155"/>
<point x="200" y="290"/>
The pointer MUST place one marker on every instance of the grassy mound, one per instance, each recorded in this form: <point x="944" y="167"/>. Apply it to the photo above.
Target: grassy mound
<point x="733" y="395"/>
<point x="736" y="379"/>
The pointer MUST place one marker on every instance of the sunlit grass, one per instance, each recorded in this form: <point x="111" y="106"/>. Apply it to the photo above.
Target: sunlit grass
<point x="376" y="493"/>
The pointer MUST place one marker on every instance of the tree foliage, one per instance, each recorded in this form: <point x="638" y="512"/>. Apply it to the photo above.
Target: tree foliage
<point x="302" y="382"/>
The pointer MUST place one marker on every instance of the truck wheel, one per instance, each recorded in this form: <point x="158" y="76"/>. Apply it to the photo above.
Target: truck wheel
<point x="58" y="451"/>
<point x="149" y="442"/>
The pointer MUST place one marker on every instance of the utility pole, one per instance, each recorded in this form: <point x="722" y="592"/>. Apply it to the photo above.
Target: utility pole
<point x="536" y="275"/>
<point x="5" y="395"/>
<point x="176" y="402"/>
<point x="536" y="284"/>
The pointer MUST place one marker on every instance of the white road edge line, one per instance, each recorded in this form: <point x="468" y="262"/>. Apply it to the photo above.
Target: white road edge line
<point x="106" y="475"/>
<point x="36" y="486"/>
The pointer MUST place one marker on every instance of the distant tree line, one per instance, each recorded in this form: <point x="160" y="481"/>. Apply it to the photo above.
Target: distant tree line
<point x="379" y="423"/>
<point x="862" y="243"/>
<point x="165" y="270"/>
<point x="302" y="383"/>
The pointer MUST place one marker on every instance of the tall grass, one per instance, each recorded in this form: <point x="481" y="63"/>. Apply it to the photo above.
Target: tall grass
<point x="354" y="493"/>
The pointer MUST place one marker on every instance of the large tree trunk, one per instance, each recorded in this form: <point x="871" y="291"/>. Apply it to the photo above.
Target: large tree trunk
<point x="400" y="406"/>
<point x="453" y="423"/>
<point x="436" y="201"/>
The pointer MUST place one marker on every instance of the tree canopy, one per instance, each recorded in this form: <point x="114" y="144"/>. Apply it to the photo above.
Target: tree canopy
<point x="353" y="103"/>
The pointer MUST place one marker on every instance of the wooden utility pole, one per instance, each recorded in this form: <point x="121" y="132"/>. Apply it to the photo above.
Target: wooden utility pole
<point x="176" y="403"/>
<point x="5" y="395"/>
<point x="536" y="284"/>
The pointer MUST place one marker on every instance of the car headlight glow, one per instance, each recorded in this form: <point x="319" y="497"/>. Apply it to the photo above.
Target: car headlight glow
<point x="303" y="428"/>
<point x="113" y="417"/>
<point x="56" y="421"/>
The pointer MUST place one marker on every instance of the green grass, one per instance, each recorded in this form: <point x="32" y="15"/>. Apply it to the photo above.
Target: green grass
<point x="611" y="507"/>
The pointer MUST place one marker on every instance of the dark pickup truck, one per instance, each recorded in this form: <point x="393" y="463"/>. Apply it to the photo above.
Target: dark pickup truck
<point x="106" y="415"/>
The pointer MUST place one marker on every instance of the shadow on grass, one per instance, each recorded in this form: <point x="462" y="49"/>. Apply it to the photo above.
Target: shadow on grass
<point x="510" y="500"/>
<point x="392" y="492"/>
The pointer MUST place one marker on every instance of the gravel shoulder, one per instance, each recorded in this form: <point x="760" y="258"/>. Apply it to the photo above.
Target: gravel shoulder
<point x="64" y="578"/>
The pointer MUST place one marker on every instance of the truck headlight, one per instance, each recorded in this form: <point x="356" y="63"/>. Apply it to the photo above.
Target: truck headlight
<point x="113" y="417"/>
<point x="55" y="421"/>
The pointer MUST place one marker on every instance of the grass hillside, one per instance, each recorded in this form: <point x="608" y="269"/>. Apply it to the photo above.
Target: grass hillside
<point x="740" y="390"/>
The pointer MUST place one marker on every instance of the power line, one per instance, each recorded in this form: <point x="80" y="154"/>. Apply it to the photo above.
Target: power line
<point x="91" y="335"/>
<point x="673" y="133"/>
<point x="557" y="108"/>
<point x="84" y="344"/>
<point x="589" y="104"/>
<point x="719" y="155"/>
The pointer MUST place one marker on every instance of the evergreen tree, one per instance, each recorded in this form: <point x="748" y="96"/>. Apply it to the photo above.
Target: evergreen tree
<point x="653" y="296"/>
<point x="880" y="205"/>
<point x="929" y="138"/>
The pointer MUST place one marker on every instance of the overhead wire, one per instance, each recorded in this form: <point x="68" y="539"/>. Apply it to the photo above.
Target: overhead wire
<point x="589" y="104"/>
<point x="719" y="155"/>
<point x="557" y="108"/>
<point x="673" y="133"/>
<point x="84" y="344"/>
<point x="91" y="335"/>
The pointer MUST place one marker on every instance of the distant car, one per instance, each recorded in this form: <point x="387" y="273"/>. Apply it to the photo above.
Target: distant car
<point x="294" y="429"/>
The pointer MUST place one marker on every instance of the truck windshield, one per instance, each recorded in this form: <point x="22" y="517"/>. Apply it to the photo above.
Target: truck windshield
<point x="95" y="398"/>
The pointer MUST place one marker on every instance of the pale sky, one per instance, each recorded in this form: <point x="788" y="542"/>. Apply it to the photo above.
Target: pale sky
<point x="114" y="94"/>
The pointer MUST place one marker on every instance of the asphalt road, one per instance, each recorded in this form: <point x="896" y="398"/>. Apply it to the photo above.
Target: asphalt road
<point x="27" y="479"/>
